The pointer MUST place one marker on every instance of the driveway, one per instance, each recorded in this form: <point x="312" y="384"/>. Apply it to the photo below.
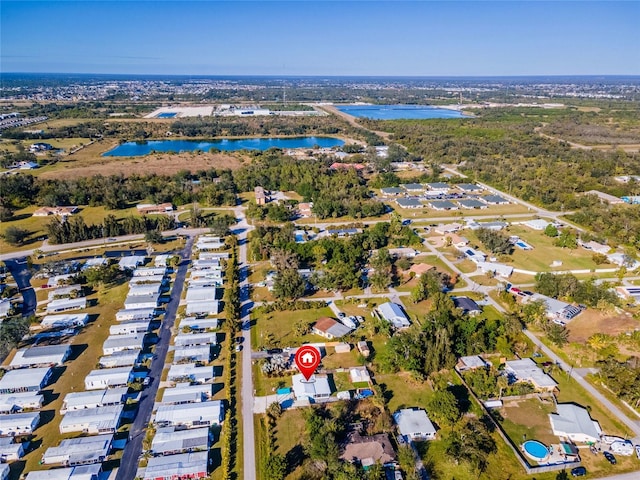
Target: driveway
<point x="129" y="462"/>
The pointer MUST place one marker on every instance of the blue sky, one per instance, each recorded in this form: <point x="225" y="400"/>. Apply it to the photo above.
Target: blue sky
<point x="417" y="38"/>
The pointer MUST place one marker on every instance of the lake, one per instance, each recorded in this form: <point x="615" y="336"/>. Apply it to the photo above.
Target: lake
<point x="395" y="112"/>
<point x="137" y="149"/>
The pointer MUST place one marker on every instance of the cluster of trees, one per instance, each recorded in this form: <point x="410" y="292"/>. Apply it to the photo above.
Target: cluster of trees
<point x="587" y="292"/>
<point x="276" y="212"/>
<point x="496" y="242"/>
<point x="490" y="383"/>
<point x="622" y="378"/>
<point x="74" y="229"/>
<point x="444" y="335"/>
<point x="429" y="284"/>
<point x="12" y="330"/>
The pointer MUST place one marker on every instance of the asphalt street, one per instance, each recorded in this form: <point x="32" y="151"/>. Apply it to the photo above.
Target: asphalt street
<point x="22" y="276"/>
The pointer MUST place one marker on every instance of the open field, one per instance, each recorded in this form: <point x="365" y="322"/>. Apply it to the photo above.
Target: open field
<point x="593" y="321"/>
<point x="528" y="419"/>
<point x="277" y="328"/>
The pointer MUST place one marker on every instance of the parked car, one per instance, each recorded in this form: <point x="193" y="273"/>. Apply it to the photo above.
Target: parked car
<point x="637" y="447"/>
<point x="578" y="472"/>
<point x="610" y="458"/>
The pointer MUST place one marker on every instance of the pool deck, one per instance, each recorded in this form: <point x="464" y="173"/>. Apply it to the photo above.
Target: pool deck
<point x="557" y="457"/>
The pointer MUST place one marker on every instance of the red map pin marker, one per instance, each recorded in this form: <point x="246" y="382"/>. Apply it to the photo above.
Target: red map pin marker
<point x="307" y="360"/>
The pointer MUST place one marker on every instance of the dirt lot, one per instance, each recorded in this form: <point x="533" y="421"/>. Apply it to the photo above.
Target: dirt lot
<point x="592" y="321"/>
<point x="162" y="164"/>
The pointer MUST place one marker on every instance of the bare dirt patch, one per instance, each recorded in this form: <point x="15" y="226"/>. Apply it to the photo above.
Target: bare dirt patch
<point x="593" y="321"/>
<point x="161" y="164"/>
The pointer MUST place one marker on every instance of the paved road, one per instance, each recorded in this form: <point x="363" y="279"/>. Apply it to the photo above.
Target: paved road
<point x="129" y="462"/>
<point x="22" y="276"/>
<point x="246" y="391"/>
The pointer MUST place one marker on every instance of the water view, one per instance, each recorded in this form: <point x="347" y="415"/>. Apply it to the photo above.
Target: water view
<point x="396" y="112"/>
<point x="136" y="149"/>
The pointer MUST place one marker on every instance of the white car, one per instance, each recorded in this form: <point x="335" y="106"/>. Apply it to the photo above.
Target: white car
<point x="637" y="447"/>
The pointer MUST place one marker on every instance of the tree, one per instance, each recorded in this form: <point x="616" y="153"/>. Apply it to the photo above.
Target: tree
<point x="289" y="284"/>
<point x="551" y="230"/>
<point x="473" y="444"/>
<point x="567" y="239"/>
<point x="444" y="408"/>
<point x="276" y="467"/>
<point x="15" y="235"/>
<point x="557" y="334"/>
<point x="562" y="475"/>
<point x="284" y="260"/>
<point x="6" y="213"/>
<point x="153" y="236"/>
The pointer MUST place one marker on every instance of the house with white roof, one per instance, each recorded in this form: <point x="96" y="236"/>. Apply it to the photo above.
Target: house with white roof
<point x="79" y="451"/>
<point x="595" y="247"/>
<point x="25" y="380"/>
<point x="175" y="467"/>
<point x="203" y="307"/>
<point x="93" y="399"/>
<point x="149" y="271"/>
<point x="135" y="314"/>
<point x="65" y="304"/>
<point x="10" y="450"/>
<point x="161" y="260"/>
<point x="142" y="302"/>
<point x="537" y="224"/>
<point x="66" y="291"/>
<point x="143" y="289"/>
<point x="498" y="269"/>
<point x="393" y="313"/>
<point x="131" y="262"/>
<point x="18" y="423"/>
<point x="123" y="358"/>
<point x="148" y="280"/>
<point x="117" y="343"/>
<point x="206" y="242"/>
<point x="45" y="355"/>
<point x="79" y="472"/>
<point x="17" y="402"/>
<point x="526" y="370"/>
<point x="169" y="441"/>
<point x="65" y="320"/>
<point x="471" y="363"/>
<point x="187" y="339"/>
<point x="108" y="378"/>
<point x="574" y="423"/>
<point x="94" y="262"/>
<point x="191" y="372"/>
<point x="192" y="353"/>
<point x="92" y="420"/>
<point x="317" y="387"/>
<point x="190" y="415"/>
<point x="194" y="323"/>
<point x="476" y="256"/>
<point x="186" y="393"/>
<point x="414" y="424"/>
<point x="129" y="327"/>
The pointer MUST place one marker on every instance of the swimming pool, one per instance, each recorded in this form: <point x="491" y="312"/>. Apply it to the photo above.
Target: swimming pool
<point x="166" y="115"/>
<point x="535" y="450"/>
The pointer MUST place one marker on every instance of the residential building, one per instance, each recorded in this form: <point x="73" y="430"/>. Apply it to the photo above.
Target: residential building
<point x="169" y="441"/>
<point x="57" y="211"/>
<point x="557" y="310"/>
<point x="143" y="289"/>
<point x="18" y="423"/>
<point x="79" y="451"/>
<point x="498" y="269"/>
<point x="187" y="339"/>
<point x="573" y="422"/>
<point x="108" y="378"/>
<point x="142" y="302"/>
<point x="305" y="209"/>
<point x="66" y="291"/>
<point x="93" y="399"/>
<point x="419" y="269"/>
<point x="495" y="200"/>
<point x="359" y="375"/>
<point x="192" y="353"/>
<point x="442" y="205"/>
<point x="129" y="327"/>
<point x="17" y="402"/>
<point x="595" y="247"/>
<point x="94" y="262"/>
<point x="403" y="252"/>
<point x="409" y="203"/>
<point x="186" y="393"/>
<point x="131" y="262"/>
<point x="537" y="224"/>
<point x="471" y="363"/>
<point x="439" y="187"/>
<point x="413" y="187"/>
<point x="117" y="343"/>
<point x="363" y="348"/>
<point x="65" y="304"/>
<point x="149" y="271"/>
<point x="329" y="328"/>
<point x="445" y="229"/>
<point x="177" y="467"/>
<point x="457" y="240"/>
<point x="92" y="420"/>
<point x="153" y="209"/>
<point x="10" y="450"/>
<point x="476" y="256"/>
<point x="261" y="197"/>
<point x="207" y="242"/>
<point x="391" y="191"/>
<point x="190" y="415"/>
<point x="46" y="355"/>
<point x="190" y="372"/>
<point x="393" y="313"/>
<point x="65" y="320"/>
<point x="135" y="314"/>
<point x="469" y="187"/>
<point x="368" y="450"/>
<point x="198" y="294"/>
<point x="316" y="388"/>
<point x="605" y="197"/>
<point x="25" y="380"/>
<point x="526" y="370"/>
<point x="495" y="226"/>
<point x="123" y="358"/>
<point x="414" y="424"/>
<point x="199" y="324"/>
<point x="203" y="307"/>
<point x="467" y="305"/>
<point x="79" y="472"/>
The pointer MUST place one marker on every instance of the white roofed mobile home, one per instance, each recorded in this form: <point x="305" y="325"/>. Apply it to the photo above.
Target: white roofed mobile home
<point x="93" y="399"/>
<point x="190" y="415"/>
<point x="45" y="355"/>
<point x="64" y="321"/>
<point x="25" y="380"/>
<point x="92" y="420"/>
<point x="108" y="377"/>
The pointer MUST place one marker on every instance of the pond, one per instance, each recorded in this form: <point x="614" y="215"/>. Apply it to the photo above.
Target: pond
<point x="396" y="112"/>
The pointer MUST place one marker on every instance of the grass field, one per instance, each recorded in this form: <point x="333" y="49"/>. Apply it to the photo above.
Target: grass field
<point x="279" y="326"/>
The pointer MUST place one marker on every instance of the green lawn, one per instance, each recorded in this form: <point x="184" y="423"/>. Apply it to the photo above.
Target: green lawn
<point x="277" y="328"/>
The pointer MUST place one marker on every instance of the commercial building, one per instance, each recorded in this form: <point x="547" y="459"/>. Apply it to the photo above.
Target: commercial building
<point x="574" y="423"/>
<point x="65" y="321"/>
<point x="177" y="467"/>
<point x="46" y="355"/>
<point x="79" y="451"/>
<point x="17" y="402"/>
<point x="393" y="313"/>
<point x="92" y="420"/>
<point x="190" y="372"/>
<point x="329" y="328"/>
<point x="317" y="387"/>
<point x="18" y="423"/>
<point x="414" y="424"/>
<point x="25" y="380"/>
<point x="108" y="378"/>
<point x="93" y="399"/>
<point x="186" y="393"/>
<point x="65" y="304"/>
<point x="80" y="472"/>
<point x="117" y="343"/>
<point x="526" y="370"/>
<point x="169" y="441"/>
<point x="190" y="415"/>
